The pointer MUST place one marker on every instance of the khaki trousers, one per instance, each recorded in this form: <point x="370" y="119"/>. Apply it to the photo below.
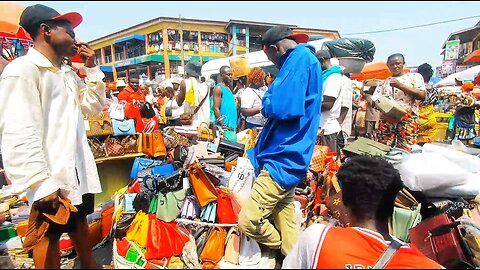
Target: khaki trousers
<point x="269" y="203"/>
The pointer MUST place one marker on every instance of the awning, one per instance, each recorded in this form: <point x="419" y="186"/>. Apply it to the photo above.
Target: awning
<point x="473" y="57"/>
<point x="132" y="37"/>
<point x="106" y="68"/>
<point x="139" y="60"/>
<point x="178" y="57"/>
<point x="208" y="58"/>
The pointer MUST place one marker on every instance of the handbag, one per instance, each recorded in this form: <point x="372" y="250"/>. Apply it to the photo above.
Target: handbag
<point x="225" y="213"/>
<point x="201" y="236"/>
<point x="176" y="138"/>
<point x="98" y="125"/>
<point x="250" y="253"/>
<point x="169" y="204"/>
<point x="146" y="110"/>
<point x="216" y="161"/>
<point x="97" y="147"/>
<point x="153" y="174"/>
<point x="228" y="147"/>
<point x="190" y="208"/>
<point x="209" y="212"/>
<point x="117" y="111"/>
<point x="214" y="249"/>
<point x="153" y="145"/>
<point x="138" y="231"/>
<point x="123" y="127"/>
<point x="123" y="225"/>
<point x="391" y="110"/>
<point x="242" y="178"/>
<point x="439" y="238"/>
<point x="132" y="144"/>
<point x="146" y="125"/>
<point x="114" y="147"/>
<point x="317" y="164"/>
<point x="405" y="219"/>
<point x="232" y="246"/>
<point x="364" y="146"/>
<point x="187" y="118"/>
<point x="203" y="189"/>
<point x="204" y="132"/>
<point x="161" y="182"/>
<point x="141" y="164"/>
<point x="142" y="201"/>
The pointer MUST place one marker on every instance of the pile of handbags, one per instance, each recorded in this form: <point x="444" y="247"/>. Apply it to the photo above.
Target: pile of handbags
<point x="181" y="208"/>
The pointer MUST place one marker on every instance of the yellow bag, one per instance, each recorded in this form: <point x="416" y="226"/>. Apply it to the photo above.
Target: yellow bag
<point x="138" y="231"/>
<point x="240" y="67"/>
<point x="190" y="95"/>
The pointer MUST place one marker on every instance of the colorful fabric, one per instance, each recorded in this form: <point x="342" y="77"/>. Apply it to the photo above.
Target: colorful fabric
<point x="427" y="124"/>
<point x="402" y="135"/>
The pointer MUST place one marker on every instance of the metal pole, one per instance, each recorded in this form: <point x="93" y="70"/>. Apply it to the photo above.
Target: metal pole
<point x="181" y="45"/>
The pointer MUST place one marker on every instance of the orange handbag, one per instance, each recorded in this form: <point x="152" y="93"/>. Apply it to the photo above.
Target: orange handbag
<point x="153" y="145"/>
<point x="203" y="189"/>
<point x="214" y="249"/>
<point x="225" y="213"/>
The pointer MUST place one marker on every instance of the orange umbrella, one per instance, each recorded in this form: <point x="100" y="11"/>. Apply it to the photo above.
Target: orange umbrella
<point x="473" y="57"/>
<point x="376" y="70"/>
<point x="9" y="20"/>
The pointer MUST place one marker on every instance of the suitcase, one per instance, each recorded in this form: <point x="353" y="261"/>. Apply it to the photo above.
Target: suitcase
<point x="445" y="246"/>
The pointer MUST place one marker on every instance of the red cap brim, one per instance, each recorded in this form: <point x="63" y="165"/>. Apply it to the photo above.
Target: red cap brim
<point x="301" y="38"/>
<point x="74" y="18"/>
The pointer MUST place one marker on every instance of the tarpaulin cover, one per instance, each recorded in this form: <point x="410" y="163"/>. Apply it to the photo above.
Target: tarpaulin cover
<point x="351" y="47"/>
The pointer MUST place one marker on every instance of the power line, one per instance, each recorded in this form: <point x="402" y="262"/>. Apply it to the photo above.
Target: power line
<point x="411" y="27"/>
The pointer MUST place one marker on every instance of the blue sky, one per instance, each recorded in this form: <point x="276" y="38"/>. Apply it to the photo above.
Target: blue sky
<point x="418" y="45"/>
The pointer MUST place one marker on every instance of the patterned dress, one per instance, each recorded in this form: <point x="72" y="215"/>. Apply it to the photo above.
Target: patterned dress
<point x="405" y="133"/>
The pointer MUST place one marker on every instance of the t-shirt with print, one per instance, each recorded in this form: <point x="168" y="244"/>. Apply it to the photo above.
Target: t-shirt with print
<point x="328" y="119"/>
<point x="414" y="80"/>
<point x="252" y="98"/>
<point x="324" y="246"/>
<point x="347" y="100"/>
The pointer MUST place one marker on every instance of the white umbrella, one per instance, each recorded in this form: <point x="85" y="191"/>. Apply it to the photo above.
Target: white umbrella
<point x="467" y="74"/>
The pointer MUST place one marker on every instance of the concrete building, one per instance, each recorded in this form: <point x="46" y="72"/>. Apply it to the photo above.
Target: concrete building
<point x="460" y="51"/>
<point x="157" y="47"/>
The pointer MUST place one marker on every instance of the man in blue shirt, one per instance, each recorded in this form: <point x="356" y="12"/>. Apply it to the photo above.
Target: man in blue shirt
<point x="285" y="146"/>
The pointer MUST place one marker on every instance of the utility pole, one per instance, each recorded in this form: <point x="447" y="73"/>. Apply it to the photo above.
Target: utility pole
<point x="181" y="45"/>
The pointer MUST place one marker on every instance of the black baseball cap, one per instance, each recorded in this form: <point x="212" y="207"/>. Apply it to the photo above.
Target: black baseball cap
<point x="323" y="54"/>
<point x="36" y="14"/>
<point x="277" y="33"/>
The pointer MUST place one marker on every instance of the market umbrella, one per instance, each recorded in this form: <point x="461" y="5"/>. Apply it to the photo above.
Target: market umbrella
<point x="376" y="70"/>
<point x="9" y="20"/>
<point x="473" y="57"/>
<point x="465" y="75"/>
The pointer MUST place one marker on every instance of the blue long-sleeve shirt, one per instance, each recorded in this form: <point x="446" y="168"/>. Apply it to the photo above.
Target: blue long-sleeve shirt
<point x="292" y="106"/>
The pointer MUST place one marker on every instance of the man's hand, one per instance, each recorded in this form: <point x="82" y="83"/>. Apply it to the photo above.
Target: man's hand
<point x="87" y="54"/>
<point x="49" y="203"/>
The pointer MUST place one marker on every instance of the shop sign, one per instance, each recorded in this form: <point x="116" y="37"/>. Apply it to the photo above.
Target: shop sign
<point x="451" y="50"/>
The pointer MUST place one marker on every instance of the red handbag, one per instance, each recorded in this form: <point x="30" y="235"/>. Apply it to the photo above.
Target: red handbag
<point x="165" y="239"/>
<point x="133" y="187"/>
<point x="146" y="125"/>
<point x="122" y="246"/>
<point x="225" y="213"/>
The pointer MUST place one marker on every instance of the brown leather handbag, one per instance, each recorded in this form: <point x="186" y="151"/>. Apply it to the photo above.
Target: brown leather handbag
<point x="98" y="125"/>
<point x="114" y="147"/>
<point x="153" y="144"/>
<point x="214" y="249"/>
<point x="97" y="147"/>
<point x="132" y="144"/>
<point x="202" y="187"/>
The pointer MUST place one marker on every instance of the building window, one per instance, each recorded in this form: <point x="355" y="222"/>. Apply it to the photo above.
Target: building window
<point x="108" y="54"/>
<point x="98" y="57"/>
<point x="190" y="41"/>
<point x="155" y="41"/>
<point x="214" y="42"/>
<point x="173" y="40"/>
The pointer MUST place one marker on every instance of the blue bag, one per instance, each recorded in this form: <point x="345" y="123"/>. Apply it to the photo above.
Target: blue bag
<point x="123" y="127"/>
<point x="142" y="164"/>
<point x="476" y="141"/>
<point x="209" y="212"/>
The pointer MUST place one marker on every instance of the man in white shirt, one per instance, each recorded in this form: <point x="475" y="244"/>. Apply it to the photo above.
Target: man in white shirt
<point x="332" y="100"/>
<point x="42" y="132"/>
<point x="346" y="113"/>
<point x="201" y="103"/>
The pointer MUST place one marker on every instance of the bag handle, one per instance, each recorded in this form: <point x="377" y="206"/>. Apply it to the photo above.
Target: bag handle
<point x="201" y="102"/>
<point x="387" y="255"/>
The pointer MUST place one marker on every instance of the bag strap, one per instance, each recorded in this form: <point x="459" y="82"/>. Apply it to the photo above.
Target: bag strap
<point x="387" y="255"/>
<point x="201" y="102"/>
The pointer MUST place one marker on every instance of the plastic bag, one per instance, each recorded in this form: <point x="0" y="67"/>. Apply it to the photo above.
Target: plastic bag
<point x="351" y="47"/>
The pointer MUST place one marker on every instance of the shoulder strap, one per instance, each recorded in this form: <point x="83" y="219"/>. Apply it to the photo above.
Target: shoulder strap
<point x="387" y="255"/>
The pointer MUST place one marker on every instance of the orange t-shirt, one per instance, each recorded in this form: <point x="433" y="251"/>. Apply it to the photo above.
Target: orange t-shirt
<point x="322" y="246"/>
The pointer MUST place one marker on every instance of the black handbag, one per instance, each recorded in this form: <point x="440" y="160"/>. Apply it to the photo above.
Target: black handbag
<point x="171" y="182"/>
<point x="201" y="236"/>
<point x="123" y="225"/>
<point x="228" y="148"/>
<point x="146" y="110"/>
<point x="142" y="201"/>
<point x="220" y="162"/>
